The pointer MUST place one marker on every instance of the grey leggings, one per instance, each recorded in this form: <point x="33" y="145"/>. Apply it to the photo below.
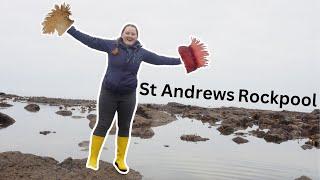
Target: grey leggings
<point x="108" y="104"/>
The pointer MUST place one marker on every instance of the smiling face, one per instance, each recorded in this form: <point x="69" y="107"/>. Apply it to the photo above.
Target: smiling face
<point x="129" y="35"/>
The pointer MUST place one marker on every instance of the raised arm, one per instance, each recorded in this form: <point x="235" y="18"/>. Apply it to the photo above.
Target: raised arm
<point x="153" y="58"/>
<point x="93" y="42"/>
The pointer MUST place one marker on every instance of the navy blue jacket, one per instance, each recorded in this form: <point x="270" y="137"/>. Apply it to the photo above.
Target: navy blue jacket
<point x="121" y="74"/>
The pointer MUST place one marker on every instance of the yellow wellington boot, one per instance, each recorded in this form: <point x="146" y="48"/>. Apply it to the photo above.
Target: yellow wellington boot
<point x="120" y="163"/>
<point x="93" y="161"/>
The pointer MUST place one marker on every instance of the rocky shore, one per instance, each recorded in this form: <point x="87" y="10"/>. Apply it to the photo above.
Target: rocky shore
<point x="273" y="126"/>
<point x="19" y="166"/>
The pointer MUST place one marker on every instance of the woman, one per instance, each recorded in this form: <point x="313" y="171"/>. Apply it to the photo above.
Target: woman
<point x="118" y="89"/>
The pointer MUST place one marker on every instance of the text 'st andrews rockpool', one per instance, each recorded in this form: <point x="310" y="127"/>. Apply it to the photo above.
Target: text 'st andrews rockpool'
<point x="242" y="95"/>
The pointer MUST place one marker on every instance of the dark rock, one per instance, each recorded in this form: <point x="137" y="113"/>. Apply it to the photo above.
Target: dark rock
<point x="275" y="138"/>
<point x="141" y="122"/>
<point x="176" y="108"/>
<point x="316" y="136"/>
<point x="266" y="121"/>
<point x="82" y="109"/>
<point x="4" y="104"/>
<point x="296" y="134"/>
<point x="258" y="133"/>
<point x="32" y="107"/>
<point x="64" y="113"/>
<point x="143" y="133"/>
<point x="92" y="124"/>
<point x="202" y="115"/>
<point x="285" y="121"/>
<point x="45" y="132"/>
<point x="59" y="101"/>
<point x="290" y="127"/>
<point x="239" y="112"/>
<point x="309" y="116"/>
<point x="160" y="118"/>
<point x="315" y="111"/>
<point x="277" y="115"/>
<point x="174" y="104"/>
<point x="306" y="146"/>
<point x="207" y="118"/>
<point x="230" y="121"/>
<point x="5" y="120"/>
<point x="226" y="130"/>
<point x="84" y="144"/>
<point x="92" y="117"/>
<point x="240" y="140"/>
<point x="256" y="116"/>
<point x="315" y="129"/>
<point x="303" y="178"/>
<point x="166" y="145"/>
<point x="193" y="138"/>
<point x="313" y="142"/>
<point x="243" y="122"/>
<point x="304" y="125"/>
<point x="142" y="112"/>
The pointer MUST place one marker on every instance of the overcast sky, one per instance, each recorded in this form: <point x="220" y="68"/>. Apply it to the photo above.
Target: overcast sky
<point x="255" y="45"/>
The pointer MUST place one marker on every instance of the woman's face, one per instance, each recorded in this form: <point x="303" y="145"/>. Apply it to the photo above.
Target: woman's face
<point x="129" y="35"/>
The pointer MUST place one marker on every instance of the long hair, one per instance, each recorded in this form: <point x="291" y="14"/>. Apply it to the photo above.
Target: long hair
<point x="115" y="51"/>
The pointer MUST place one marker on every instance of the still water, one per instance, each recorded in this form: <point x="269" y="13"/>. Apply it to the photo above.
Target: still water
<point x="217" y="158"/>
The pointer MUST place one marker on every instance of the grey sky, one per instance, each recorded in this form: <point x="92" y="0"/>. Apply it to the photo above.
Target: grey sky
<point x="255" y="45"/>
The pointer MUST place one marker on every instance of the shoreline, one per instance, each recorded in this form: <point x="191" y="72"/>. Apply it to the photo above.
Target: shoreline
<point x="281" y="125"/>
